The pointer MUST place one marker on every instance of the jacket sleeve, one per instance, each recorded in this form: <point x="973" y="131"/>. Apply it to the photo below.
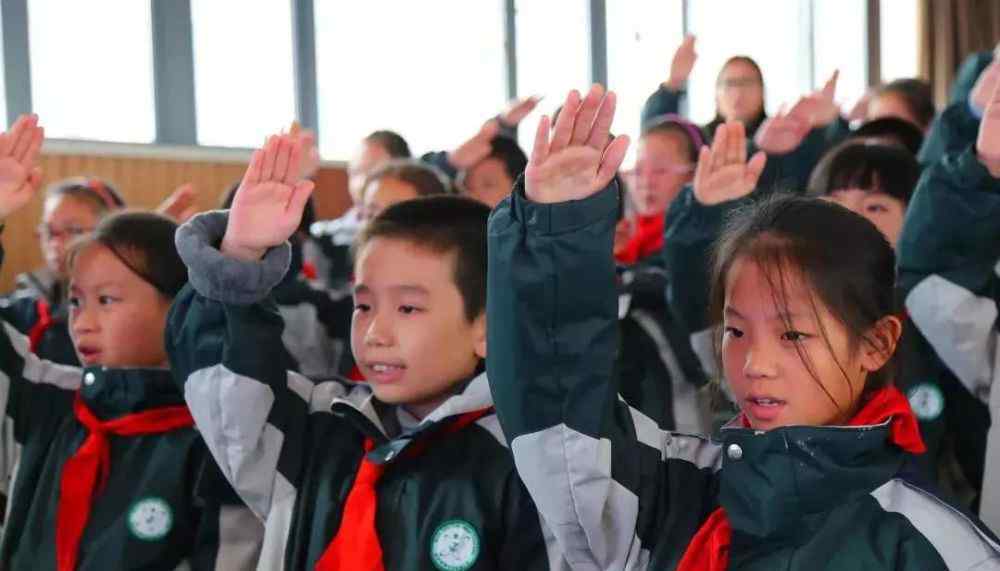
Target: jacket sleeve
<point x="439" y="160"/>
<point x="661" y="102"/>
<point x="948" y="274"/>
<point x="790" y="171"/>
<point x="224" y="344"/>
<point x="606" y="479"/>
<point x="951" y="132"/>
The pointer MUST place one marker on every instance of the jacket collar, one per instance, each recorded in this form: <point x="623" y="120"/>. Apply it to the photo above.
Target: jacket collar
<point x="112" y="393"/>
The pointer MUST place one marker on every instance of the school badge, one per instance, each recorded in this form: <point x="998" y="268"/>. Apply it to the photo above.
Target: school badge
<point x="150" y="519"/>
<point x="926" y="401"/>
<point x="455" y="546"/>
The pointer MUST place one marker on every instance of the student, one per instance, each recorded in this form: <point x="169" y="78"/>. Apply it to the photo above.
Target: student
<point x="112" y="473"/>
<point x="811" y="475"/>
<point x="948" y="257"/>
<point x="334" y="237"/>
<point x="408" y="471"/>
<point x="398" y="181"/>
<point x="908" y="99"/>
<point x="38" y="307"/>
<point x="489" y="181"/>
<point x="891" y="130"/>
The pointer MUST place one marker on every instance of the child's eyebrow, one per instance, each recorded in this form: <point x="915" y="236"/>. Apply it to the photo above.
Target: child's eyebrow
<point x="403" y="288"/>
<point x="731" y="311"/>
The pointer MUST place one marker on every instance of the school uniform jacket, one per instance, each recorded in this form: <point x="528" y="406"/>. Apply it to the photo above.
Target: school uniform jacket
<point x="25" y="308"/>
<point x="621" y="493"/>
<point x="161" y="508"/>
<point x="949" y="261"/>
<point x="292" y="447"/>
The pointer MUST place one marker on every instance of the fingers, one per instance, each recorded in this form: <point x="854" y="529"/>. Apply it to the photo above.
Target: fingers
<point x="703" y="166"/>
<point x="754" y="169"/>
<point x="601" y="130"/>
<point x="563" y="131"/>
<point x="719" y="145"/>
<point x="613" y="158"/>
<point x="300" y="195"/>
<point x="830" y="88"/>
<point x="34" y="148"/>
<point x="736" y="149"/>
<point x="254" y="170"/>
<point x="540" y="151"/>
<point x="282" y="154"/>
<point x="293" y="171"/>
<point x="24" y="132"/>
<point x="588" y="112"/>
<point x="268" y="157"/>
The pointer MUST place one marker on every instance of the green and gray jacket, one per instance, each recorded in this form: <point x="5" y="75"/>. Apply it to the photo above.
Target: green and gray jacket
<point x="200" y="523"/>
<point x="291" y="447"/>
<point x="949" y="261"/>
<point x="620" y="493"/>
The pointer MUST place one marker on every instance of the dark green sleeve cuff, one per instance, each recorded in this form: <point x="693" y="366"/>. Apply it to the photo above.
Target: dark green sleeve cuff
<point x="562" y="217"/>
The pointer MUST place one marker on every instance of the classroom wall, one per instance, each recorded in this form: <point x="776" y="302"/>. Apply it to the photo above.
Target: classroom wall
<point x="144" y="181"/>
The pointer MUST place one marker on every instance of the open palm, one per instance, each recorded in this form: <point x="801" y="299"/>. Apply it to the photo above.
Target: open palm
<point x="988" y="143"/>
<point x="268" y="205"/>
<point x="577" y="157"/>
<point x="723" y="172"/>
<point x="19" y="177"/>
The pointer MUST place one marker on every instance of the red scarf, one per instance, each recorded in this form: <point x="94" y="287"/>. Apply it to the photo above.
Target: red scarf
<point x="86" y="472"/>
<point x="709" y="550"/>
<point x="43" y="324"/>
<point x="647" y="240"/>
<point x="356" y="546"/>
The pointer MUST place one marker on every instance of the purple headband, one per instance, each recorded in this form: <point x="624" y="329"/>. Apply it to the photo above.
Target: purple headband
<point x="673" y="119"/>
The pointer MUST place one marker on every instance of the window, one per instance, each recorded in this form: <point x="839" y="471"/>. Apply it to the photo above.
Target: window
<point x="243" y="70"/>
<point x="553" y="54"/>
<point x="840" y="42"/>
<point x="433" y="71"/>
<point x="92" y="69"/>
<point x="642" y="38"/>
<point x="898" y="36"/>
<point x="777" y="38"/>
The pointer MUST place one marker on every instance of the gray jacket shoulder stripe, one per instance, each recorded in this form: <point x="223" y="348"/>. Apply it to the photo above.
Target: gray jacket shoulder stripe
<point x="697" y="450"/>
<point x="231" y="412"/>
<point x="688" y="411"/>
<point x="960" y="326"/>
<point x="960" y="543"/>
<point x="492" y="425"/>
<point x="240" y="537"/>
<point x="278" y="526"/>
<point x="704" y="349"/>
<point x="592" y="516"/>
<point x="39" y="371"/>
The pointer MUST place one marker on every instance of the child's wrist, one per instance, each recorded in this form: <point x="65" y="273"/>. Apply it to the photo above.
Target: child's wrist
<point x="233" y="249"/>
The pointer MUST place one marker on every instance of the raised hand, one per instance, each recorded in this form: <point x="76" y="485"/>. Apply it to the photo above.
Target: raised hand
<point x="519" y="109"/>
<point x="784" y="132"/>
<point x="180" y="205"/>
<point x="682" y="64"/>
<point x="20" y="179"/>
<point x="824" y="109"/>
<point x="859" y="112"/>
<point x="723" y="173"/>
<point x="988" y="143"/>
<point x="982" y="91"/>
<point x="310" y="152"/>
<point x="469" y="153"/>
<point x="268" y="205"/>
<point x="577" y="157"/>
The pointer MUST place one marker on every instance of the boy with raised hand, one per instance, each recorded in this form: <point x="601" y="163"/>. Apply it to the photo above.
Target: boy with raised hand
<point x="407" y="472"/>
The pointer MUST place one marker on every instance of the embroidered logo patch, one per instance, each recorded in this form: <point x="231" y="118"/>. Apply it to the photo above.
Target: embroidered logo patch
<point x="455" y="546"/>
<point x="150" y="519"/>
<point x="926" y="401"/>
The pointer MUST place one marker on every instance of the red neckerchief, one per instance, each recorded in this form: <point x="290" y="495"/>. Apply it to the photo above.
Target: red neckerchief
<point x="85" y="473"/>
<point x="647" y="240"/>
<point x="356" y="546"/>
<point x="709" y="549"/>
<point x="43" y="324"/>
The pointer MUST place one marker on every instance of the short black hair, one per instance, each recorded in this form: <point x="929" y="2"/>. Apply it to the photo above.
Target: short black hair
<point x="892" y="129"/>
<point x="508" y="152"/>
<point x="308" y="213"/>
<point x="917" y="95"/>
<point x="392" y="142"/>
<point x="869" y="166"/>
<point x="98" y="193"/>
<point x="144" y="242"/>
<point x="441" y="224"/>
<point x="426" y="179"/>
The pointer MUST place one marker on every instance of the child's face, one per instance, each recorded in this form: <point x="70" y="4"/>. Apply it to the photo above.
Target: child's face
<point x="488" y="182"/>
<point x="63" y="219"/>
<point x="661" y="171"/>
<point x="771" y="383"/>
<point x="366" y="159"/>
<point x="383" y="193"/>
<point x="410" y="335"/>
<point x="884" y="211"/>
<point x="116" y="318"/>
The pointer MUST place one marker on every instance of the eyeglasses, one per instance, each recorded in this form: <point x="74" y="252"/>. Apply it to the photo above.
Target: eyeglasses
<point x="47" y="232"/>
<point x="739" y="83"/>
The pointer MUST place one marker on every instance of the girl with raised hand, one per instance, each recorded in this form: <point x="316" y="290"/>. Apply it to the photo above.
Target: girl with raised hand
<point x="112" y="473"/>
<point x="812" y="474"/>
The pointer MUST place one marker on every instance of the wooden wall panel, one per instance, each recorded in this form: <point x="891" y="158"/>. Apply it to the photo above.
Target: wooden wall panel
<point x="145" y="182"/>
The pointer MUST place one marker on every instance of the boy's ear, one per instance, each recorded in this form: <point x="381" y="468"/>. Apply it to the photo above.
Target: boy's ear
<point x="880" y="343"/>
<point x="479" y="335"/>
